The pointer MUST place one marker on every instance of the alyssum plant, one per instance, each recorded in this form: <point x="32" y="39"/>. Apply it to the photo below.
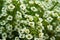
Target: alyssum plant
<point x="29" y="20"/>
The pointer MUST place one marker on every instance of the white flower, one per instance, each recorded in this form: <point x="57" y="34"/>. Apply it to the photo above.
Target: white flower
<point x="31" y="24"/>
<point x="30" y="18"/>
<point x="18" y="15"/>
<point x="36" y="38"/>
<point x="16" y="38"/>
<point x="9" y="17"/>
<point x="29" y="36"/>
<point x="41" y="35"/>
<point x="49" y="19"/>
<point x="31" y="2"/>
<point x="21" y="30"/>
<point x="21" y="35"/>
<point x="46" y="36"/>
<point x="58" y="28"/>
<point x="40" y="19"/>
<point x="4" y="35"/>
<point x="34" y="9"/>
<point x="39" y="28"/>
<point x="37" y="15"/>
<point x="22" y="6"/>
<point x="3" y="22"/>
<point x="52" y="38"/>
<point x="9" y="27"/>
<point x="24" y="22"/>
<point x="37" y="2"/>
<point x="17" y="22"/>
<point x="39" y="23"/>
<point x="26" y="16"/>
<point x="45" y="15"/>
<point x="17" y="27"/>
<point x="11" y="7"/>
<point x="4" y="9"/>
<point x="26" y="31"/>
<point x="49" y="27"/>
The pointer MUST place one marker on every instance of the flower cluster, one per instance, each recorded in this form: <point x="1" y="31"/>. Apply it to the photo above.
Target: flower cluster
<point x="30" y="20"/>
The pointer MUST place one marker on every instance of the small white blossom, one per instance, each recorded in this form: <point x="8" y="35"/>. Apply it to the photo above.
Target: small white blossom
<point x="49" y="27"/>
<point x="45" y="15"/>
<point x="37" y="2"/>
<point x="18" y="15"/>
<point x="39" y="23"/>
<point x="16" y="38"/>
<point x="31" y="24"/>
<point x="49" y="19"/>
<point x="26" y="31"/>
<point x="37" y="15"/>
<point x="40" y="19"/>
<point x="4" y="35"/>
<point x="9" y="27"/>
<point x="36" y="38"/>
<point x="52" y="38"/>
<point x="46" y="36"/>
<point x="41" y="35"/>
<point x="58" y="28"/>
<point x="34" y="9"/>
<point x="21" y="31"/>
<point x="11" y="7"/>
<point x="22" y="6"/>
<point x="29" y="36"/>
<point x="30" y="18"/>
<point x="21" y="35"/>
<point x="9" y="17"/>
<point x="3" y="22"/>
<point x="31" y="2"/>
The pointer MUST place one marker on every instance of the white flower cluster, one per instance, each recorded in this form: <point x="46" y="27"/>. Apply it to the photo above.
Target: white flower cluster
<point x="30" y="20"/>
